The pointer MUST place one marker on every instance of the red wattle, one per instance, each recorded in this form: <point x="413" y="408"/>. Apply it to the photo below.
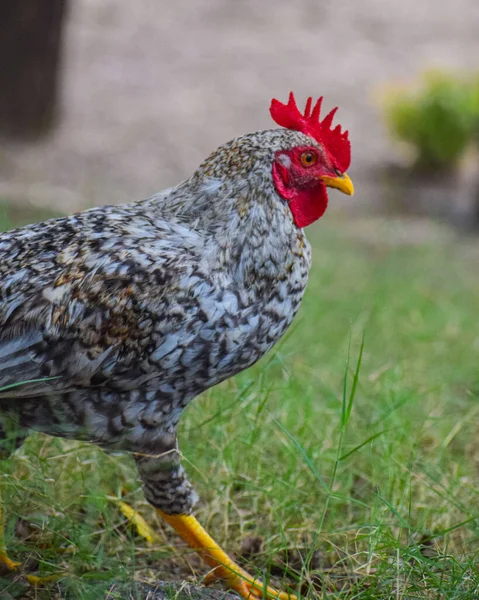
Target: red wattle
<point x="307" y="205"/>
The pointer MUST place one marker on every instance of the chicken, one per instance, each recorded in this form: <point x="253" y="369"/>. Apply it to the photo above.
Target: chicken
<point x="112" y="320"/>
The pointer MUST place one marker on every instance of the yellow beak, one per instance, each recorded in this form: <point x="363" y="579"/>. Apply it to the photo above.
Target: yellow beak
<point x="341" y="183"/>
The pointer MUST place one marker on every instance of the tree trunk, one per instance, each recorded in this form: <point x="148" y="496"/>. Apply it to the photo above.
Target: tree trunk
<point x="30" y="52"/>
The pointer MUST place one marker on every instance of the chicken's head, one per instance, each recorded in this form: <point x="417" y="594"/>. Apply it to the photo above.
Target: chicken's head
<point x="302" y="174"/>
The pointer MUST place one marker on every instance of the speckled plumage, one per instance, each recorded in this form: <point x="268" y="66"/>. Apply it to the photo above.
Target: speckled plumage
<point x="126" y="313"/>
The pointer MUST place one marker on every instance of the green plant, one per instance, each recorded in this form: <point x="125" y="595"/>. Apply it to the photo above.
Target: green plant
<point x="440" y="120"/>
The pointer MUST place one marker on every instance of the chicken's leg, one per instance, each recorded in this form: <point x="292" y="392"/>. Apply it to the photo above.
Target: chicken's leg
<point x="11" y="565"/>
<point x="5" y="561"/>
<point x="168" y="490"/>
<point x="8" y="442"/>
<point x="234" y="576"/>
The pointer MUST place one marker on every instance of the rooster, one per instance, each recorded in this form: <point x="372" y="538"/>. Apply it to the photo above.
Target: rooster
<point x="112" y="320"/>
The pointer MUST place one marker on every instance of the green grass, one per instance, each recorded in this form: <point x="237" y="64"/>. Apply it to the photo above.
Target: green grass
<point x="369" y="468"/>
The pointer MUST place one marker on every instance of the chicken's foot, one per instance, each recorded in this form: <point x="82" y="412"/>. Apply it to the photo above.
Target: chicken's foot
<point x="10" y="565"/>
<point x="5" y="561"/>
<point x="224" y="568"/>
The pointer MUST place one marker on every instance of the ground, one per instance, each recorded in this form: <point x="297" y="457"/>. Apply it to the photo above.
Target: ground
<point x="339" y="479"/>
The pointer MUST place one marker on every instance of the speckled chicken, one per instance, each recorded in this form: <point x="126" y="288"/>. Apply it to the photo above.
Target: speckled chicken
<point x="112" y="320"/>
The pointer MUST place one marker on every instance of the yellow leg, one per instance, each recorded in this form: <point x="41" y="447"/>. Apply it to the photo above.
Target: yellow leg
<point x="235" y="577"/>
<point x="11" y="565"/>
<point x="5" y="561"/>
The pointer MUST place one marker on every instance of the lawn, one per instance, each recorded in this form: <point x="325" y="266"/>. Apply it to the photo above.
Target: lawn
<point x="346" y="461"/>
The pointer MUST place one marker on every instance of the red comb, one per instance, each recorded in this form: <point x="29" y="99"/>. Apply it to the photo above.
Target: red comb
<point x="334" y="140"/>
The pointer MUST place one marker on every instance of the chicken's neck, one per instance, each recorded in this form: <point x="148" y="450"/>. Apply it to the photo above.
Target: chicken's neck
<point x="248" y="227"/>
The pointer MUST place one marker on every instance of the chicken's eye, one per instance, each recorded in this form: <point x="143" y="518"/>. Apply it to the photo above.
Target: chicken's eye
<point x="308" y="159"/>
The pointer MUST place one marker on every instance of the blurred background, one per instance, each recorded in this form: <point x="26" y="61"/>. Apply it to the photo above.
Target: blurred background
<point x="106" y="101"/>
